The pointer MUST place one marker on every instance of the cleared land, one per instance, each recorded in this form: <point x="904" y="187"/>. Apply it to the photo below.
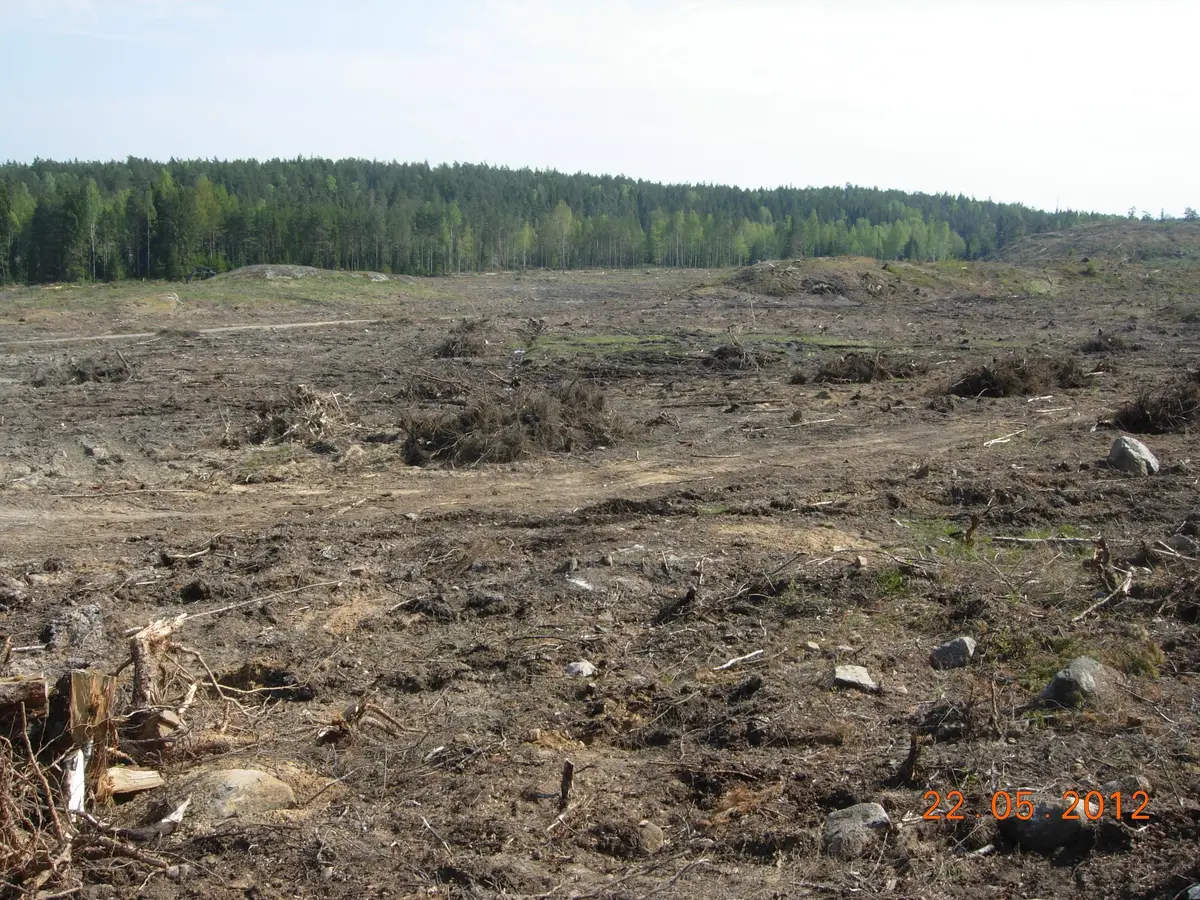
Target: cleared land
<point x="697" y="466"/>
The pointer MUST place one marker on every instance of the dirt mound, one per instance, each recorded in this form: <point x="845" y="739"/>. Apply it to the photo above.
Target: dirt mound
<point x="863" y="368"/>
<point x="1171" y="406"/>
<point x="781" y="279"/>
<point x="1119" y="240"/>
<point x="1016" y="376"/>
<point x="512" y="426"/>
<point x="101" y="369"/>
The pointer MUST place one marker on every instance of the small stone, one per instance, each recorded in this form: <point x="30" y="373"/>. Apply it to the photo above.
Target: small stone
<point x="854" y="677"/>
<point x="358" y="571"/>
<point x="580" y="669"/>
<point x="650" y="837"/>
<point x="813" y="646"/>
<point x="97" y="452"/>
<point x="1192" y="893"/>
<point x="607" y="559"/>
<point x="1082" y="680"/>
<point x="860" y="562"/>
<point x="1131" y="455"/>
<point x="953" y="654"/>
<point x="850" y="833"/>
<point x="412" y="517"/>
<point x="571" y="565"/>
<point x="180" y="872"/>
<point x="1046" y="830"/>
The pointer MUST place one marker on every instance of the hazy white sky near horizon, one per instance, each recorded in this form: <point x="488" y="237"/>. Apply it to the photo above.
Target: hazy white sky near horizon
<point x="1085" y="105"/>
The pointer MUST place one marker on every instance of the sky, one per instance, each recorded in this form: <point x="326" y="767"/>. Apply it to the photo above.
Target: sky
<point x="1079" y="104"/>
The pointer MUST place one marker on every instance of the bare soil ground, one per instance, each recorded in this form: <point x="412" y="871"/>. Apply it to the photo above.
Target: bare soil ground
<point x="391" y="640"/>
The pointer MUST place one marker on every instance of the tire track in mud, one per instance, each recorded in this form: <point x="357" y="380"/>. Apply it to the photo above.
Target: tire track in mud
<point x="76" y="520"/>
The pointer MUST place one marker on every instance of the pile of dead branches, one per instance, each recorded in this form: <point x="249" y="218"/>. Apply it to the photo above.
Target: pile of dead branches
<point x="101" y="369"/>
<point x="1170" y="406"/>
<point x="518" y="423"/>
<point x="57" y="749"/>
<point x="468" y="338"/>
<point x="1106" y="342"/>
<point x="302" y="414"/>
<point x="1020" y="375"/>
<point x="863" y="368"/>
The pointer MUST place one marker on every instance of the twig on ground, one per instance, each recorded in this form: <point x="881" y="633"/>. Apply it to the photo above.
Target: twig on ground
<point x="738" y="659"/>
<point x="1122" y="590"/>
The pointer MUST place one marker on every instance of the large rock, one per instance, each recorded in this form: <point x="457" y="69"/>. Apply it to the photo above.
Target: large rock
<point x="853" y="831"/>
<point x="245" y="793"/>
<point x="75" y="626"/>
<point x="854" y="677"/>
<point x="1081" y="682"/>
<point x="953" y="654"/>
<point x="1047" y="830"/>
<point x="1131" y="455"/>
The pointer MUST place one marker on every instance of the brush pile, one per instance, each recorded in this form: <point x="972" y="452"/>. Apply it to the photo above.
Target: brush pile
<point x="863" y="368"/>
<point x="501" y="428"/>
<point x="1017" y="376"/>
<point x="1170" y="406"/>
<point x="302" y="414"/>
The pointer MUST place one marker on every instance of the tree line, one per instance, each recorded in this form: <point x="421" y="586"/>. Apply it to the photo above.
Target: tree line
<point x="73" y="221"/>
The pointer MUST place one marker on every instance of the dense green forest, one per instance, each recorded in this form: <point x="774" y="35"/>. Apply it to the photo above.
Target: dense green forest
<point x="69" y="221"/>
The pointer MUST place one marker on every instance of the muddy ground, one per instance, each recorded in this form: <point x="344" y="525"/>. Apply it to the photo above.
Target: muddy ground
<point x="731" y="506"/>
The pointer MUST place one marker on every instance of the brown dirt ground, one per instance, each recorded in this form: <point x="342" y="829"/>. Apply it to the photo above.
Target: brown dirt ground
<point x="451" y="599"/>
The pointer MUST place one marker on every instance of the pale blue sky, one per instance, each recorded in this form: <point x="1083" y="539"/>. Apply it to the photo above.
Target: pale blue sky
<point x="1078" y="104"/>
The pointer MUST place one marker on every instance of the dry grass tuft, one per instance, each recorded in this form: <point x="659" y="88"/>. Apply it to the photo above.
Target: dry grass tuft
<point x="504" y="428"/>
<point x="863" y="368"/>
<point x="1171" y="406"/>
<point x="1015" y="376"/>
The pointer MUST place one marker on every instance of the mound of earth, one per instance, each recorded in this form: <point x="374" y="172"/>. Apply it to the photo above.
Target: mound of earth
<point x="1121" y="239"/>
<point x="273" y="271"/>
<point x="853" y="279"/>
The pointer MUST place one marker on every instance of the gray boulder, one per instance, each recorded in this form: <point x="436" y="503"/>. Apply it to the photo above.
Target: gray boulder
<point x="1132" y="456"/>
<point x="853" y="831"/>
<point x="1081" y="682"/>
<point x="246" y="793"/>
<point x="953" y="654"/>
<point x="75" y="626"/>
<point x="1047" y="830"/>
